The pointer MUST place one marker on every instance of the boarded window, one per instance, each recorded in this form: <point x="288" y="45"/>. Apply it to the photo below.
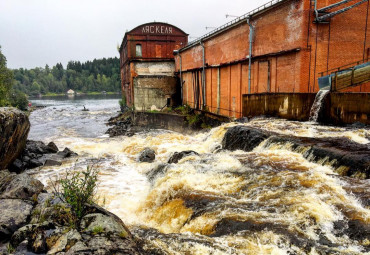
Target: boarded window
<point x="138" y="51"/>
<point x="158" y="51"/>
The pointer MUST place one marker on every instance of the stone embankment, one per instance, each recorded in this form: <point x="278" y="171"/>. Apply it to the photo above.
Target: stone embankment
<point x="129" y="123"/>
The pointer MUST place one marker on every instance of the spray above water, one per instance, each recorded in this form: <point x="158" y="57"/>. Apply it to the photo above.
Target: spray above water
<point x="270" y="200"/>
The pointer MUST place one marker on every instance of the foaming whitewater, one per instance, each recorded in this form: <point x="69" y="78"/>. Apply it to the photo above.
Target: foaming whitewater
<point x="268" y="201"/>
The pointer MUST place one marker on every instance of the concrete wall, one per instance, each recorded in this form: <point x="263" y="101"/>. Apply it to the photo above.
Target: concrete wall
<point x="155" y="68"/>
<point x="166" y="121"/>
<point x="338" y="108"/>
<point x="151" y="92"/>
<point x="292" y="106"/>
<point x="346" y="108"/>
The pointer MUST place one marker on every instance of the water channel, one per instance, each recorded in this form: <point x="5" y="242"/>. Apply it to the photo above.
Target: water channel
<point x="271" y="200"/>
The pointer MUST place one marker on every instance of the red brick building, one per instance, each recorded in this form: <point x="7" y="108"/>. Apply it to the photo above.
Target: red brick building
<point x="147" y="64"/>
<point x="289" y="43"/>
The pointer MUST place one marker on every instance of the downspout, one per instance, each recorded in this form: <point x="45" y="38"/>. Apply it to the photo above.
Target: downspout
<point x="177" y="52"/>
<point x="203" y="76"/>
<point x="182" y="100"/>
<point x="251" y="34"/>
<point x="316" y="11"/>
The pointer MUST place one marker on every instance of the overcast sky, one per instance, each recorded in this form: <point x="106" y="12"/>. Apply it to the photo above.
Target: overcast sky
<point x="38" y="32"/>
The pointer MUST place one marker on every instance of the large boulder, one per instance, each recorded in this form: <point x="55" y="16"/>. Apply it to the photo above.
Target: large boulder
<point x="147" y="155"/>
<point x="21" y="186"/>
<point x="14" y="128"/>
<point x="177" y="156"/>
<point x="243" y="138"/>
<point x="14" y="214"/>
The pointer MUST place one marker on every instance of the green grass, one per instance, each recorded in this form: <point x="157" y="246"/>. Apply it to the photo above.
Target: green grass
<point x="97" y="230"/>
<point x="51" y="94"/>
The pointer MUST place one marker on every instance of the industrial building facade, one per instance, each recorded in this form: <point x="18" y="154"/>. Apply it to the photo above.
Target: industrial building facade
<point x="281" y="47"/>
<point x="148" y="66"/>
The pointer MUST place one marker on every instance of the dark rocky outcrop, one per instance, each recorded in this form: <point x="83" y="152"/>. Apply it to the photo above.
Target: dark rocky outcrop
<point x="243" y="138"/>
<point x="121" y="125"/>
<point x="347" y="157"/>
<point x="37" y="153"/>
<point x="33" y="222"/>
<point x="14" y="128"/>
<point x="177" y="156"/>
<point x="147" y="155"/>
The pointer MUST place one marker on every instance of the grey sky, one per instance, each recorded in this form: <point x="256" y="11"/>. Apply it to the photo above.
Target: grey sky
<point x="38" y="32"/>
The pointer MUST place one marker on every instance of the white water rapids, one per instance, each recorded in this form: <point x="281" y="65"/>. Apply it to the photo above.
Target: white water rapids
<point x="267" y="201"/>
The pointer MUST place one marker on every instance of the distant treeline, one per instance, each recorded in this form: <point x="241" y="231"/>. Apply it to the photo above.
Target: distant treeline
<point x="91" y="76"/>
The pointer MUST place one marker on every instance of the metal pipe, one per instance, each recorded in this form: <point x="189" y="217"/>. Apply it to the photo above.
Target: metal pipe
<point x="332" y="14"/>
<point x="334" y="5"/>
<point x="203" y="76"/>
<point x="251" y="34"/>
<point x="177" y="52"/>
<point x="316" y="11"/>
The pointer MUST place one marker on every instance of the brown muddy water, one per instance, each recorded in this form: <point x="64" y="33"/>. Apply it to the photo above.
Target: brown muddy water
<point x="267" y="201"/>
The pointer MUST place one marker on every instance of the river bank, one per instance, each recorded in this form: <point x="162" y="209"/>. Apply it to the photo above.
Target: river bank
<point x="270" y="199"/>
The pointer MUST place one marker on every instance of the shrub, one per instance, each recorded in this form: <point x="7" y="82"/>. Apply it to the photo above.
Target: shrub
<point x="122" y="102"/>
<point x="78" y="189"/>
<point x="18" y="99"/>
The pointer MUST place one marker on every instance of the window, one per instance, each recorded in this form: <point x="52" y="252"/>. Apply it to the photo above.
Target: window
<point x="138" y="50"/>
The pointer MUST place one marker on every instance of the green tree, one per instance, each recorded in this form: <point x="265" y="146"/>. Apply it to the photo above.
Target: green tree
<point x="6" y="80"/>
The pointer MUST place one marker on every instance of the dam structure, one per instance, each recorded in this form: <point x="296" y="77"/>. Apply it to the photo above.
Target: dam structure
<point x="270" y="60"/>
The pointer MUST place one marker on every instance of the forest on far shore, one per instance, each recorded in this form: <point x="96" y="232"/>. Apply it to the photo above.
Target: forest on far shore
<point x="90" y="76"/>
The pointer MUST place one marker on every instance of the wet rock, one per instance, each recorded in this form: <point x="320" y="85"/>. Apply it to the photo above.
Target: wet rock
<point x="33" y="163"/>
<point x="38" y="147"/>
<point x="343" y="153"/>
<point x="65" y="242"/>
<point x="347" y="157"/>
<point x="122" y="125"/>
<point x="52" y="147"/>
<point x="147" y="155"/>
<point x="66" y="153"/>
<point x="242" y="120"/>
<point x="230" y="226"/>
<point x="355" y="229"/>
<point x="51" y="162"/>
<point x="14" y="128"/>
<point x="159" y="170"/>
<point x="243" y="138"/>
<point x="98" y="223"/>
<point x="21" y="186"/>
<point x="39" y="244"/>
<point x="14" y="214"/>
<point x="177" y="156"/>
<point x="5" y="178"/>
<point x="37" y="154"/>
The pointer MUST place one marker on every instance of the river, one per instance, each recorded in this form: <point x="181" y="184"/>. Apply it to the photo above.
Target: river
<point x="267" y="201"/>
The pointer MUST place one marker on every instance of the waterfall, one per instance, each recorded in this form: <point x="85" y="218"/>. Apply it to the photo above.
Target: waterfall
<point x="317" y="105"/>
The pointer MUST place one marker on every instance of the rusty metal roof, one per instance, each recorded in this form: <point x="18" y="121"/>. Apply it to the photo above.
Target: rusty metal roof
<point x="233" y="23"/>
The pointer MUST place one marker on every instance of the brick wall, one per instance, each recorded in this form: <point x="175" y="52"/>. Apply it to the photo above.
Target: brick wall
<point x="289" y="53"/>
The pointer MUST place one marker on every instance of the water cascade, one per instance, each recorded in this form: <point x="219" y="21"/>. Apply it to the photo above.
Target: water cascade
<point x="271" y="199"/>
<point x="317" y="105"/>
